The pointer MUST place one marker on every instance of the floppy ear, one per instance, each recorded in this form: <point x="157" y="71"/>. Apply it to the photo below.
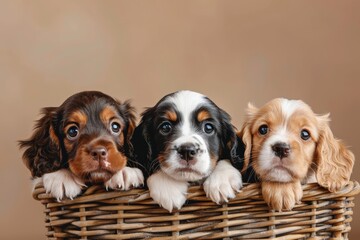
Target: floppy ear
<point x="42" y="152"/>
<point x="334" y="161"/>
<point x="246" y="136"/>
<point x="128" y="111"/>
<point x="141" y="141"/>
<point x="228" y="138"/>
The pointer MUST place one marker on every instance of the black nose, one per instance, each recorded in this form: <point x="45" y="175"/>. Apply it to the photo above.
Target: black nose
<point x="281" y="149"/>
<point x="187" y="151"/>
<point x="99" y="153"/>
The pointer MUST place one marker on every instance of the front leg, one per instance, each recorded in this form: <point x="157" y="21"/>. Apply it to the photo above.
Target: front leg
<point x="125" y="179"/>
<point x="166" y="191"/>
<point x="223" y="183"/>
<point x="62" y="183"/>
<point x="281" y="196"/>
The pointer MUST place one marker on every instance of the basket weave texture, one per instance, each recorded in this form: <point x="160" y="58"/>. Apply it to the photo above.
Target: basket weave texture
<point x="101" y="214"/>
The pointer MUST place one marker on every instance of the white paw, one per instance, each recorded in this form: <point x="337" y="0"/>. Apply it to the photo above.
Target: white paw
<point x="62" y="183"/>
<point x="125" y="179"/>
<point x="223" y="183"/>
<point x="166" y="191"/>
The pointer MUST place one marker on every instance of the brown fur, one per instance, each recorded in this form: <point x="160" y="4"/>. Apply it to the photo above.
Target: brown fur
<point x="49" y="149"/>
<point x="331" y="160"/>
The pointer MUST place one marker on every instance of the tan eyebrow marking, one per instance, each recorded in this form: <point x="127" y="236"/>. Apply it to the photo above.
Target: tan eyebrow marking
<point x="171" y="115"/>
<point x="107" y="114"/>
<point x="78" y="117"/>
<point x="203" y="115"/>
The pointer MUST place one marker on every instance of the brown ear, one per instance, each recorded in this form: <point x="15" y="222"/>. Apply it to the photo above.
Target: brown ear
<point x="128" y="112"/>
<point x="42" y="152"/>
<point x="246" y="136"/>
<point x="334" y="161"/>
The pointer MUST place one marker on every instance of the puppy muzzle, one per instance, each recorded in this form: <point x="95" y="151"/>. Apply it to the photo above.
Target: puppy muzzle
<point x="188" y="149"/>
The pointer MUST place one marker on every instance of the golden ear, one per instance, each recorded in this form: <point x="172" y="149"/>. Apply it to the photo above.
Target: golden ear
<point x="251" y="110"/>
<point x="246" y="136"/>
<point x="334" y="161"/>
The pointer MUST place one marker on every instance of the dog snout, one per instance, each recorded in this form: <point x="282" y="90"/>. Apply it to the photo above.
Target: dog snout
<point x="99" y="153"/>
<point x="187" y="151"/>
<point x="281" y="149"/>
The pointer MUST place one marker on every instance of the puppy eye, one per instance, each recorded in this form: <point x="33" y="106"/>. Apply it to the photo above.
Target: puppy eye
<point x="304" y="134"/>
<point x="72" y="133"/>
<point x="165" y="128"/>
<point x="208" y="128"/>
<point x="263" y="129"/>
<point x="115" y="127"/>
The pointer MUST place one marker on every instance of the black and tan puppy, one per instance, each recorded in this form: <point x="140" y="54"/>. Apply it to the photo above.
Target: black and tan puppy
<point x="85" y="140"/>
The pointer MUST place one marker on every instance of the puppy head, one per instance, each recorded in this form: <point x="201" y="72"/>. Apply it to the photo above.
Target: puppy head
<point x="89" y="133"/>
<point x="185" y="134"/>
<point x="285" y="139"/>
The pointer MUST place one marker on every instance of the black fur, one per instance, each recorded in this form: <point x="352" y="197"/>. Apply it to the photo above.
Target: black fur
<point x="149" y="143"/>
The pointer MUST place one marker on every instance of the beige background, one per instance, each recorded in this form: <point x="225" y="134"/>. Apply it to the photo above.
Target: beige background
<point x="232" y="51"/>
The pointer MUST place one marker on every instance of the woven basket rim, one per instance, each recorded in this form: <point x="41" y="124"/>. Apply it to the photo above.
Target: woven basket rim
<point x="101" y="214"/>
<point x="311" y="192"/>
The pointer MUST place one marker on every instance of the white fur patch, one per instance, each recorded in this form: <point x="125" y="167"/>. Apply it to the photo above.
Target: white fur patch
<point x="279" y="175"/>
<point x="289" y="107"/>
<point x="125" y="179"/>
<point x="166" y="191"/>
<point x="62" y="183"/>
<point x="186" y="103"/>
<point x="267" y="159"/>
<point x="202" y="166"/>
<point x="223" y="183"/>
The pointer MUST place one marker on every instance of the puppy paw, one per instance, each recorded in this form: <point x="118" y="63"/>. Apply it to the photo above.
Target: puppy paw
<point x="126" y="179"/>
<point x="281" y="196"/>
<point x="223" y="183"/>
<point x="62" y="183"/>
<point x="166" y="191"/>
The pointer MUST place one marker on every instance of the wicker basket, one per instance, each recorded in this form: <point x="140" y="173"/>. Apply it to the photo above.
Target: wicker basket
<point x="101" y="214"/>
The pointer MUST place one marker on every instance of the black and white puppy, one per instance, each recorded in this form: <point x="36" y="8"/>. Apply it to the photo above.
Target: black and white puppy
<point x="186" y="138"/>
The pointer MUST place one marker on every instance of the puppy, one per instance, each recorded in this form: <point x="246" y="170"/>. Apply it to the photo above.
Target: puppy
<point x="85" y="140"/>
<point x="286" y="144"/>
<point x="186" y="138"/>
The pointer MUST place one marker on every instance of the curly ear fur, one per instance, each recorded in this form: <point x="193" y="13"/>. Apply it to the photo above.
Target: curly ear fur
<point x="334" y="161"/>
<point x="42" y="152"/>
<point x="128" y="111"/>
<point x="245" y="134"/>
